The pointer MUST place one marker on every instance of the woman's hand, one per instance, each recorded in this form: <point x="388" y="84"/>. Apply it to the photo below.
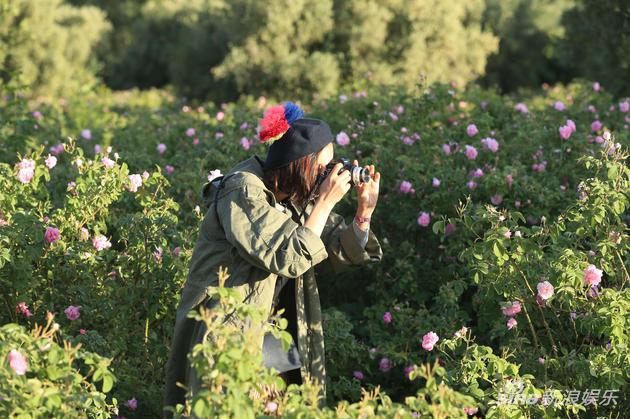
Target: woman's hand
<point x="367" y="193"/>
<point x="335" y="186"/>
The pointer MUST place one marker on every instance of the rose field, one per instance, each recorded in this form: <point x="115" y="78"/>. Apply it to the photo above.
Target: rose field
<point x="503" y="289"/>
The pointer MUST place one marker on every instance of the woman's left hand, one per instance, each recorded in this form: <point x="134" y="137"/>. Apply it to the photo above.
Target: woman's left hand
<point x="367" y="193"/>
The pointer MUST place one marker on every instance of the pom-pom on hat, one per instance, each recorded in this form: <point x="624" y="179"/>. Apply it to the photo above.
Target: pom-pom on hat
<point x="291" y="136"/>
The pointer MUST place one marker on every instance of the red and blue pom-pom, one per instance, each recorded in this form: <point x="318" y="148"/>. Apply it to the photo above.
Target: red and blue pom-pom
<point x="277" y="120"/>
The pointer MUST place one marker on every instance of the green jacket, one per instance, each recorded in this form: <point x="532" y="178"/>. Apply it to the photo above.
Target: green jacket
<point x="257" y="243"/>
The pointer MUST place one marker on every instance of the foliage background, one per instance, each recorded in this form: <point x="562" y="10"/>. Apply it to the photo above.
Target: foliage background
<point x="214" y="66"/>
<point x="220" y="50"/>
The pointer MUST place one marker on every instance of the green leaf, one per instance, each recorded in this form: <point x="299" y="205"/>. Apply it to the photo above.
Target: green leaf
<point x="496" y="250"/>
<point x="438" y="226"/>
<point x="108" y="383"/>
<point x="613" y="171"/>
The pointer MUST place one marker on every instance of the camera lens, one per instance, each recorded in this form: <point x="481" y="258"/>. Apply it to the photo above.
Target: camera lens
<point x="359" y="175"/>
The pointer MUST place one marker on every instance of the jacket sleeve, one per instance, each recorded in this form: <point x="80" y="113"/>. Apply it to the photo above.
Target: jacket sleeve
<point x="343" y="247"/>
<point x="267" y="237"/>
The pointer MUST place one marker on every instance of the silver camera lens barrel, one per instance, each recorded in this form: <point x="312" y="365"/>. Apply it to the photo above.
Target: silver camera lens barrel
<point x="359" y="175"/>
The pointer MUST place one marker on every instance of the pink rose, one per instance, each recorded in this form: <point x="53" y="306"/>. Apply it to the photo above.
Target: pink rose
<point x="26" y="170"/>
<point x="190" y="132"/>
<point x="446" y="148"/>
<point x="132" y="404"/>
<point x="512" y="309"/>
<point x="72" y="312"/>
<point x="596" y="125"/>
<point x="358" y="375"/>
<point x="220" y="116"/>
<point x="135" y="181"/>
<point x="405" y="187"/>
<point x="169" y="169"/>
<point x="571" y="125"/>
<point x="472" y="130"/>
<point x="565" y="132"/>
<point x="245" y="143"/>
<point x="521" y="107"/>
<point x="424" y="219"/>
<point x="470" y="410"/>
<point x="387" y="317"/>
<point x="157" y="254"/>
<point x="624" y="106"/>
<point x="496" y="199"/>
<point x="559" y="106"/>
<point x="50" y="161"/>
<point x="271" y="406"/>
<point x="87" y="134"/>
<point x="597" y="87"/>
<point x="476" y="173"/>
<point x="405" y="139"/>
<point x="100" y="242"/>
<point x="176" y="251"/>
<point x="471" y="152"/>
<point x="545" y="290"/>
<point x="385" y="365"/>
<point x="51" y="235"/>
<point x="461" y="332"/>
<point x="511" y="323"/>
<point x="449" y="229"/>
<point x="592" y="276"/>
<point x="490" y="144"/>
<point x="57" y="149"/>
<point x="22" y="308"/>
<point x="471" y="184"/>
<point x="429" y="340"/>
<point x="161" y="148"/>
<point x="214" y="174"/>
<point x="343" y="139"/>
<point x="509" y="179"/>
<point x="436" y="182"/>
<point x="107" y="162"/>
<point x="18" y="362"/>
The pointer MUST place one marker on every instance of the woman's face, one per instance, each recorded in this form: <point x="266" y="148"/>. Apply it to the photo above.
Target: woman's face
<point x="324" y="157"/>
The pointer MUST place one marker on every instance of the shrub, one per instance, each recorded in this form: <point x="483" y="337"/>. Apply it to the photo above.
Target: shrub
<point x="45" y="376"/>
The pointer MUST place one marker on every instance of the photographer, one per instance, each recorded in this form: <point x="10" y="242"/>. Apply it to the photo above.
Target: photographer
<point x="270" y="225"/>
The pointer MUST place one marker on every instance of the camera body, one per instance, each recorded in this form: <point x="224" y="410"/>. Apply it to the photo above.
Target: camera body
<point x="358" y="175"/>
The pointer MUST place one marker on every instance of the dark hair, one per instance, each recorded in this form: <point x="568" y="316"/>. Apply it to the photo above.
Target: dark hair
<point x="296" y="179"/>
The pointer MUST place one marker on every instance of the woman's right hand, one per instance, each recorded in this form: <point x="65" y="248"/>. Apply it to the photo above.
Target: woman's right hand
<point x="335" y="186"/>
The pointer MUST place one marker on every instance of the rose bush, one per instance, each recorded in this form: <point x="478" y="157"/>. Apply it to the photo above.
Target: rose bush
<point x="497" y="225"/>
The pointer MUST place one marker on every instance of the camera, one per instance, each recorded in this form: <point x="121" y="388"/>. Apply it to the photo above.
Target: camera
<point x="358" y="174"/>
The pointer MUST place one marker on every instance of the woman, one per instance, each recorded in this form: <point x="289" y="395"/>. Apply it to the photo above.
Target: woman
<point x="255" y="227"/>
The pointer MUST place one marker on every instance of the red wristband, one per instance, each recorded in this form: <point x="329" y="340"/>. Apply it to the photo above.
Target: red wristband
<point x="360" y="219"/>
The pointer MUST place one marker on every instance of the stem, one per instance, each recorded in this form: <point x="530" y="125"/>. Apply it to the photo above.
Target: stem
<point x="531" y="326"/>
<point x="623" y="266"/>
<point x="554" y="348"/>
<point x="553" y="343"/>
